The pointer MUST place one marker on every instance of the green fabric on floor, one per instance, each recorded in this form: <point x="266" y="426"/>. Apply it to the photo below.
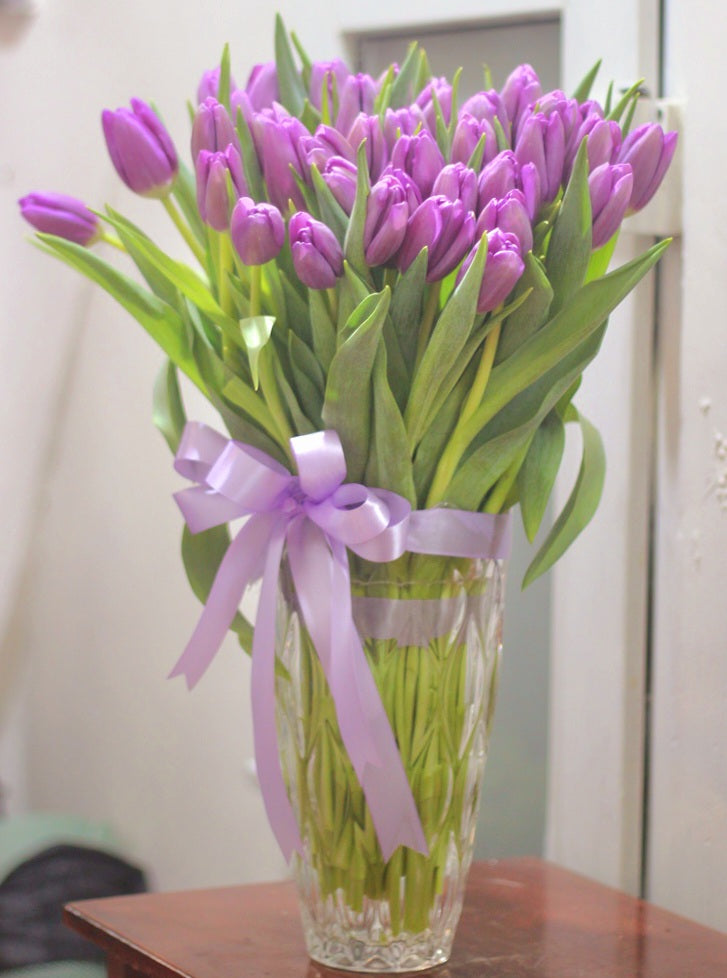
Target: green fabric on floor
<point x="59" y="969"/>
<point x="23" y="836"/>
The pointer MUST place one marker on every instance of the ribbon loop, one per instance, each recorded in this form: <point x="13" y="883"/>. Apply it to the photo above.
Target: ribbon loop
<point x="316" y="516"/>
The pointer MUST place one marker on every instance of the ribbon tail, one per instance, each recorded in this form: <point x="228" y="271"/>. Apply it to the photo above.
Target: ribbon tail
<point x="320" y="572"/>
<point x="238" y="568"/>
<point x="262" y="683"/>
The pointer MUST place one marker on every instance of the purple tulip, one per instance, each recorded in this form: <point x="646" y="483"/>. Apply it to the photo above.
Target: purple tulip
<point x="387" y="214"/>
<point x="213" y="199"/>
<point x="603" y="141"/>
<point x="240" y="103"/>
<point x="368" y="127"/>
<point x="209" y="85"/>
<point x="610" y="187"/>
<point x="457" y="182"/>
<point x="402" y="122"/>
<point x="442" y="89"/>
<point x="257" y="231"/>
<point x="411" y="190"/>
<point x="498" y="177"/>
<point x="212" y="128"/>
<point x="61" y="215"/>
<point x="510" y="215"/>
<point x="519" y="92"/>
<point x="323" y="74"/>
<point x="280" y="147"/>
<point x="487" y="106"/>
<point x="262" y="86"/>
<point x="317" y="255"/>
<point x="467" y="135"/>
<point x="649" y="151"/>
<point x="567" y="108"/>
<point x="541" y="141"/>
<point x="503" y="268"/>
<point x="340" y="176"/>
<point x="356" y="95"/>
<point x="420" y="157"/>
<point x="325" y="143"/>
<point x="141" y="149"/>
<point x="443" y="226"/>
<point x="530" y="185"/>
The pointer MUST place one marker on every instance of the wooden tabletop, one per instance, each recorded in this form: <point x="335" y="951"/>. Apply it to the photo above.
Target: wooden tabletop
<point x="523" y="918"/>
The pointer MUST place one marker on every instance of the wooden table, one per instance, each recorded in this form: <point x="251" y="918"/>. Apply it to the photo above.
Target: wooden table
<point x="523" y="918"/>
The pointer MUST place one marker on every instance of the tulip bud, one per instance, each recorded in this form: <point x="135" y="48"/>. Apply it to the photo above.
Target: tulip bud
<point x="610" y="187"/>
<point x="340" y="176"/>
<point x="368" y="127"/>
<point x="487" y="106"/>
<point x="541" y="141"/>
<point x="209" y="85"/>
<point x="498" y="177"/>
<point x="356" y="95"/>
<point x="402" y="122"/>
<point x="503" y="268"/>
<point x="420" y="157"/>
<point x="317" y="255"/>
<point x="325" y="143"/>
<point x="257" y="231"/>
<point x="442" y="90"/>
<point x="61" y="215"/>
<point x="387" y="214"/>
<point x="412" y="192"/>
<point x="520" y="91"/>
<point x="443" y="226"/>
<point x="510" y="215"/>
<point x="262" y="86"/>
<point x="141" y="149"/>
<point x="467" y="135"/>
<point x="212" y="129"/>
<point x="457" y="182"/>
<point x="213" y="199"/>
<point x="322" y="74"/>
<point x="567" y="108"/>
<point x="649" y="151"/>
<point x="280" y="147"/>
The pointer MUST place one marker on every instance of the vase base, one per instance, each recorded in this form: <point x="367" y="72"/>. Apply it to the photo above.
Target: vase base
<point x="396" y="956"/>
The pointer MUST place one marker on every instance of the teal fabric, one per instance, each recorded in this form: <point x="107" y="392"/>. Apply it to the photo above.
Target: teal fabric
<point x="23" y="836"/>
<point x="59" y="969"/>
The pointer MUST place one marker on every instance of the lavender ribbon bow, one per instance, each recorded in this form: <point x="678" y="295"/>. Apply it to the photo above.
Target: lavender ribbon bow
<point x="316" y="516"/>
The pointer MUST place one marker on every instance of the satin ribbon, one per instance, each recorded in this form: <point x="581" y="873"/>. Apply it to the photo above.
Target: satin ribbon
<point x="315" y="516"/>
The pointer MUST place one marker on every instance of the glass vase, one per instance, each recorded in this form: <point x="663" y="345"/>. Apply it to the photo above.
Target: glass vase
<point x="431" y="630"/>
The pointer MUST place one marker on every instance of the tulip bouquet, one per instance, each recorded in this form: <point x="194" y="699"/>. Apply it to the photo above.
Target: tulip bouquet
<point x="401" y="289"/>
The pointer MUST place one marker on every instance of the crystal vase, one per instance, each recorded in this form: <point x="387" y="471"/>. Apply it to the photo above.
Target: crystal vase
<point x="431" y="632"/>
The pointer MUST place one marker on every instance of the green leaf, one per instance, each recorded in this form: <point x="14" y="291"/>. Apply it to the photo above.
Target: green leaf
<point x="168" y="410"/>
<point x="308" y="378"/>
<point x="537" y="474"/>
<point x="475" y="160"/>
<point x="182" y="276"/>
<point x="292" y="92"/>
<point x="406" y="306"/>
<point x="304" y="59"/>
<point x="323" y="328"/>
<point x="601" y="258"/>
<point x="585" y="312"/>
<point x="184" y="191"/>
<point x="353" y="248"/>
<point x="202" y="555"/>
<point x="237" y="392"/>
<point x="389" y="465"/>
<point x="330" y="210"/>
<point x="250" y="163"/>
<point x="301" y="423"/>
<point x="580" y="508"/>
<point x="583" y="90"/>
<point x="503" y="143"/>
<point x="533" y="312"/>
<point x="448" y="338"/>
<point x="402" y="90"/>
<point x="569" y="250"/>
<point x="383" y="99"/>
<point x="297" y="308"/>
<point x="347" y="404"/>
<point x="223" y="91"/>
<point x="158" y="283"/>
<point x="352" y="291"/>
<point x="163" y="323"/>
<point x="256" y="332"/>
<point x="628" y="96"/>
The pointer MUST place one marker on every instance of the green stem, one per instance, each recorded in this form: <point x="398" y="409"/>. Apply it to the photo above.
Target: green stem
<point x="501" y="490"/>
<point x="431" y="308"/>
<point x="195" y="247"/>
<point x="459" y="441"/>
<point x="112" y="240"/>
<point x="224" y="266"/>
<point x="268" y="384"/>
